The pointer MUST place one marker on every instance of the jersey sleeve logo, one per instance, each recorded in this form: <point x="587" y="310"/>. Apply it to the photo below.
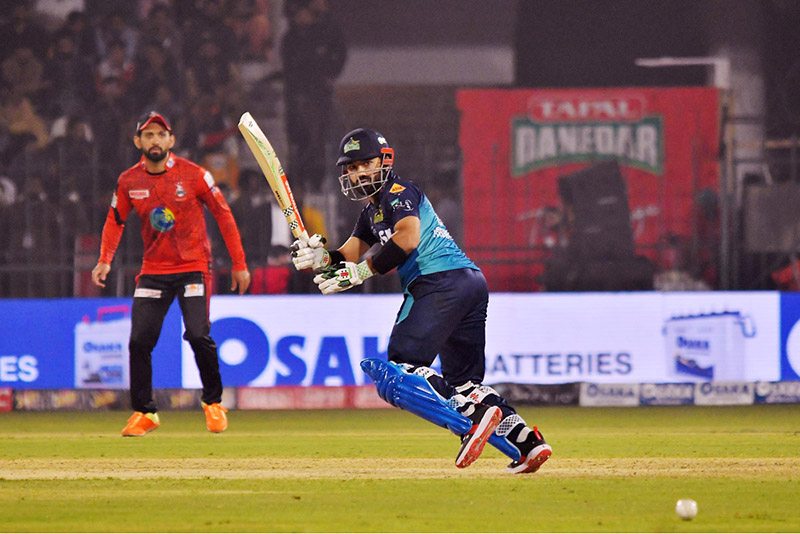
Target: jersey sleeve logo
<point x="397" y="188"/>
<point x="405" y="205"/>
<point x="209" y="179"/>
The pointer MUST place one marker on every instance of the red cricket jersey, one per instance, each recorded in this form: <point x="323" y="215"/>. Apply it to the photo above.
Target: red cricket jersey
<point x="170" y="206"/>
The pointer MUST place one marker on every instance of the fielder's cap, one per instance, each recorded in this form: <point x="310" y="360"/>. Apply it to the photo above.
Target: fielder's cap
<point x="361" y="144"/>
<point x="149" y="117"/>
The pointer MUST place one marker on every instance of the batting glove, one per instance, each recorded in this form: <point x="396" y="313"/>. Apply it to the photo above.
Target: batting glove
<point x="311" y="255"/>
<point x="342" y="276"/>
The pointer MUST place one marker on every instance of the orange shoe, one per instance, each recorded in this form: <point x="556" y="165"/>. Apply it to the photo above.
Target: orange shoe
<point x="140" y="424"/>
<point x="215" y="417"/>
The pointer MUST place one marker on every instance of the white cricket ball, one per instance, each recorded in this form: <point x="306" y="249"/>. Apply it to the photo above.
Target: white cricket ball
<point x="686" y="508"/>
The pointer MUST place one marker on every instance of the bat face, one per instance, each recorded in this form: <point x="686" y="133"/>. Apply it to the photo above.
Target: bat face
<point x="273" y="172"/>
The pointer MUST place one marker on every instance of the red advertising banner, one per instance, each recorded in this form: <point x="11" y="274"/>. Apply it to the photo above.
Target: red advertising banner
<point x="517" y="143"/>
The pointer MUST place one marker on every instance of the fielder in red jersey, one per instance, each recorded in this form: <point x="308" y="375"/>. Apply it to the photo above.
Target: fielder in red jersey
<point x="169" y="194"/>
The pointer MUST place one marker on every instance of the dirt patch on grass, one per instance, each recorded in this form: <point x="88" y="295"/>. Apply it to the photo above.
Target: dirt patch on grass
<point x="383" y="468"/>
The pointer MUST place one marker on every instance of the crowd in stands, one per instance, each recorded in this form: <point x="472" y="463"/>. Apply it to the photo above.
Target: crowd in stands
<point x="74" y="75"/>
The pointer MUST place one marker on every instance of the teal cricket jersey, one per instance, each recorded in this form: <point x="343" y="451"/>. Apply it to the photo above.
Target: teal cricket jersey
<point x="436" y="251"/>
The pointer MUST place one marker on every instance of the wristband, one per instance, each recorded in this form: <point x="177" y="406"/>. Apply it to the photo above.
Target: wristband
<point x="335" y="257"/>
<point x="388" y="257"/>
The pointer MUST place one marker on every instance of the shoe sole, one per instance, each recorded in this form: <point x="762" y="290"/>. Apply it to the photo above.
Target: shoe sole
<point x="137" y="435"/>
<point x="485" y="429"/>
<point x="534" y="461"/>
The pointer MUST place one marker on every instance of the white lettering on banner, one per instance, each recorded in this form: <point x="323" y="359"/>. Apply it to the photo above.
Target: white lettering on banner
<point x="538" y="145"/>
<point x="574" y="365"/>
<point x="291" y="341"/>
<point x="586" y="108"/>
<point x="621" y="337"/>
<point x="18" y="369"/>
<point x="268" y="341"/>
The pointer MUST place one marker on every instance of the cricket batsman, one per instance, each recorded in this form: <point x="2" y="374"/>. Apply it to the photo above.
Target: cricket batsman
<point x="443" y="312"/>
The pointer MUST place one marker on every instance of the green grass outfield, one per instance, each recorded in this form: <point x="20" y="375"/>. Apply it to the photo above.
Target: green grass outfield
<point x="612" y="470"/>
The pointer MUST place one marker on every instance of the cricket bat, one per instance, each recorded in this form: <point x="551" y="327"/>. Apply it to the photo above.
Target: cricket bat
<point x="273" y="172"/>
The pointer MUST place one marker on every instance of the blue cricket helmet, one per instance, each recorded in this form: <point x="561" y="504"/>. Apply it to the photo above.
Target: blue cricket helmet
<point x="360" y="145"/>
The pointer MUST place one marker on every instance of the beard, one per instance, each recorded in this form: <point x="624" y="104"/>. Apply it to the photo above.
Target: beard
<point x="155" y="157"/>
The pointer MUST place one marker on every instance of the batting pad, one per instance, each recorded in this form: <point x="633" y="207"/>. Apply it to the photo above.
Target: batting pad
<point x="414" y="394"/>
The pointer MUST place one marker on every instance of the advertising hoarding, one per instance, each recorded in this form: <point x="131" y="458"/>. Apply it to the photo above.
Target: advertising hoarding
<point x="310" y="340"/>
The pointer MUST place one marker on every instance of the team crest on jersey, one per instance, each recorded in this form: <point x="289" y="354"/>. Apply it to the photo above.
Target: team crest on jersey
<point x="139" y="193"/>
<point x="397" y="188"/>
<point x="378" y="217"/>
<point x="180" y="192"/>
<point x="352" y="144"/>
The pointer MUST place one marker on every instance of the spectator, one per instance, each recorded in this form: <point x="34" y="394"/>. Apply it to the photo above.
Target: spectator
<point x="54" y="14"/>
<point x="32" y="238"/>
<point x="253" y="206"/>
<point x="24" y="125"/>
<point x="213" y="138"/>
<point x="21" y="28"/>
<point x="72" y="156"/>
<point x="70" y="78"/>
<point x="313" y="54"/>
<point x="154" y="68"/>
<point x="24" y="71"/>
<point x="203" y="21"/>
<point x="110" y="112"/>
<point x="116" y="28"/>
<point x="115" y="65"/>
<point x="210" y="72"/>
<point x="159" y="27"/>
<point x="82" y="32"/>
<point x="250" y="22"/>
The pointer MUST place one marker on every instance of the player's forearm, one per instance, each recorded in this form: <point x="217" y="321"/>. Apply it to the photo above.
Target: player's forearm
<point x="230" y="232"/>
<point x="233" y="242"/>
<point x="112" y="235"/>
<point x="352" y="250"/>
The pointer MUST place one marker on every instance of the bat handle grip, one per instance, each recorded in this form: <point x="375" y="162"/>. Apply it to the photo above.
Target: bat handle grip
<point x="303" y="237"/>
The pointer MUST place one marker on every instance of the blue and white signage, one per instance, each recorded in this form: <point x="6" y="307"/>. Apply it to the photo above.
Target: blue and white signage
<point x="790" y="336"/>
<point x="558" y="338"/>
<point x="306" y="340"/>
<point x="314" y="340"/>
<point x="724" y="336"/>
